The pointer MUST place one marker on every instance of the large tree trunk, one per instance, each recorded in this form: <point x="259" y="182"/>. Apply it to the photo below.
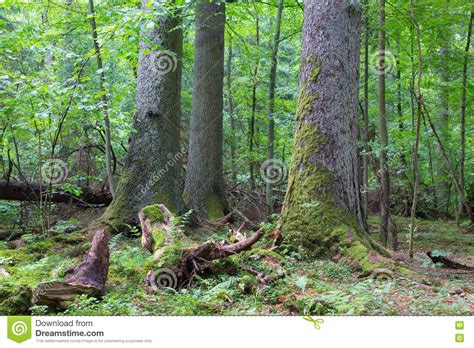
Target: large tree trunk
<point x="322" y="210"/>
<point x="271" y="105"/>
<point x="152" y="164"/>
<point x="204" y="189"/>
<point x="384" y="170"/>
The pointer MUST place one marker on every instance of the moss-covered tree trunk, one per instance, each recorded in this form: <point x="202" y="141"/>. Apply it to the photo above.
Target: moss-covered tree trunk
<point x="204" y="189"/>
<point x="322" y="210"/>
<point x="153" y="161"/>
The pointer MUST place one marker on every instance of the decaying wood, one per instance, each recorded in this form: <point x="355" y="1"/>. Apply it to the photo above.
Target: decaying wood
<point x="196" y="258"/>
<point x="447" y="262"/>
<point x="149" y="225"/>
<point x="33" y="192"/>
<point x="88" y="277"/>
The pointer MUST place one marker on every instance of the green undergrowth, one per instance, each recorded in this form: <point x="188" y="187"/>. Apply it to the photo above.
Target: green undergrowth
<point x="301" y="284"/>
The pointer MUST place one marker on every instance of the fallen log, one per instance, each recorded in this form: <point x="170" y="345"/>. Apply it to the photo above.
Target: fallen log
<point x="33" y="192"/>
<point x="177" y="255"/>
<point x="438" y="259"/>
<point x="88" y="277"/>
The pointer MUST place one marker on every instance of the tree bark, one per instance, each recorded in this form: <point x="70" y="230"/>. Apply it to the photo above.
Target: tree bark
<point x="322" y="211"/>
<point x="271" y="105"/>
<point x="33" y="192"/>
<point x="365" y="157"/>
<point x="204" y="189"/>
<point x="152" y="165"/>
<point x="384" y="170"/>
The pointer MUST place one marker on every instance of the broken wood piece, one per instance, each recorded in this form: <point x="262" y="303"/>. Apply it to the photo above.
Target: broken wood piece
<point x="156" y="221"/>
<point x="178" y="254"/>
<point x="88" y="277"/>
<point x="193" y="258"/>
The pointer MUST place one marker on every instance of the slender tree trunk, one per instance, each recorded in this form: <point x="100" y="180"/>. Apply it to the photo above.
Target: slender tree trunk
<point x="271" y="104"/>
<point x="254" y="103"/>
<point x="443" y="182"/>
<point x="204" y="190"/>
<point x="105" y="108"/>
<point x="384" y="170"/>
<point x="417" y="135"/>
<point x="430" y="158"/>
<point x="322" y="208"/>
<point x="463" y="117"/>
<point x="365" y="158"/>
<point x="230" y="106"/>
<point x="412" y="79"/>
<point x="152" y="165"/>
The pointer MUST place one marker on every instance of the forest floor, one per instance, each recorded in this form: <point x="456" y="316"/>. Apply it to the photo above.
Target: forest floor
<point x="308" y="287"/>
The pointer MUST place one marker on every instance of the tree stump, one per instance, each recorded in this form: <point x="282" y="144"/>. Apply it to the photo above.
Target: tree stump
<point x="156" y="221"/>
<point x="88" y="277"/>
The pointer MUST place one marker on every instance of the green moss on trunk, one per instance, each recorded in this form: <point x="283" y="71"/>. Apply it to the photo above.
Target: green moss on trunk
<point x="214" y="207"/>
<point x="310" y="217"/>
